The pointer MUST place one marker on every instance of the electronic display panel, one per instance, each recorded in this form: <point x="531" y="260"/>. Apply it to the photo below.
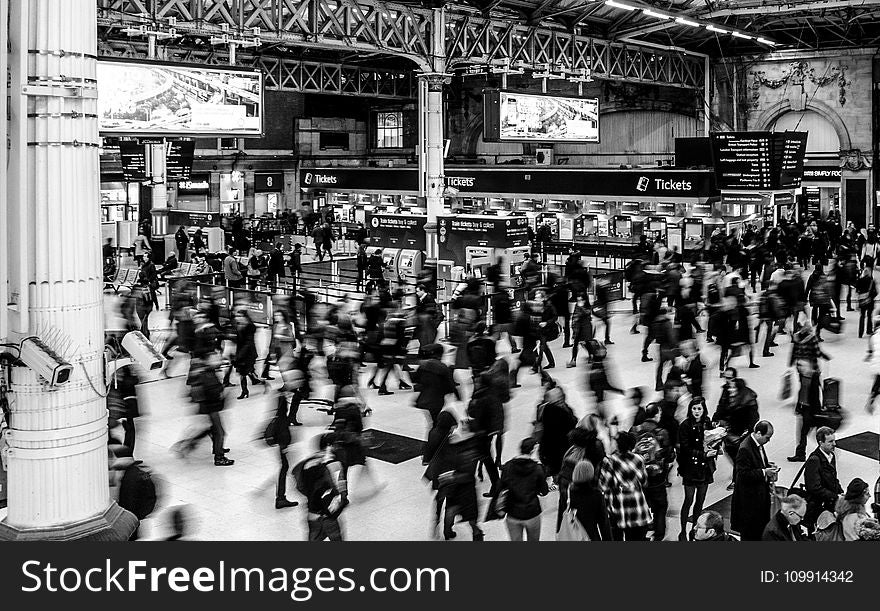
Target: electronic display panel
<point x="158" y="99"/>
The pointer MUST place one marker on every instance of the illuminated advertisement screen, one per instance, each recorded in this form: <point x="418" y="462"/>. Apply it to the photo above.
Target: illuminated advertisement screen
<point x="155" y="99"/>
<point x="525" y="117"/>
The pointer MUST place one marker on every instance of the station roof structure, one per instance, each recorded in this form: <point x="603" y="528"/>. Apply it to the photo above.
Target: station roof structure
<point x="791" y="24"/>
<point x="367" y="47"/>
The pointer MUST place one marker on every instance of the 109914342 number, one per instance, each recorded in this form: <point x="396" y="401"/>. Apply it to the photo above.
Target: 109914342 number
<point x="843" y="576"/>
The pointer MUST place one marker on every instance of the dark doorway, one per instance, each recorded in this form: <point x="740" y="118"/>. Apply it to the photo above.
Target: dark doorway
<point x="856" y="197"/>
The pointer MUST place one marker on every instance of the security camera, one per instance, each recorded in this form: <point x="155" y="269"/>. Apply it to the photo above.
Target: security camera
<point x="142" y="350"/>
<point x="45" y="361"/>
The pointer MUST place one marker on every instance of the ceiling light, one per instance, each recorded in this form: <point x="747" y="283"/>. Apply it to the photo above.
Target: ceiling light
<point x="651" y="13"/>
<point x="764" y="41"/>
<point x="683" y="21"/>
<point x="712" y="28"/>
<point x="620" y="5"/>
<point x="739" y="35"/>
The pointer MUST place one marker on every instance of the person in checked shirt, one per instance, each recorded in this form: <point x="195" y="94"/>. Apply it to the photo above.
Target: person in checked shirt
<point x="621" y="479"/>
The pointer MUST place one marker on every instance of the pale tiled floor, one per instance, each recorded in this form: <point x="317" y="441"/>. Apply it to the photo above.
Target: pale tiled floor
<point x="237" y="502"/>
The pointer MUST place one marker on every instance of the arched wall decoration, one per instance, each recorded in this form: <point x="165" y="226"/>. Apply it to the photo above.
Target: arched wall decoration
<point x="796" y="76"/>
<point x="765" y="121"/>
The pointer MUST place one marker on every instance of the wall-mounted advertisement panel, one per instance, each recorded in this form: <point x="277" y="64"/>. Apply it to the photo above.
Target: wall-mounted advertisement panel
<point x="159" y="99"/>
<point x="511" y="117"/>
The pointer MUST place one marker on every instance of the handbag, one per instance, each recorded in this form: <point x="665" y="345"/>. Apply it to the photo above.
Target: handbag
<point x="780" y="493"/>
<point x="571" y="529"/>
<point x="501" y="503"/>
<point x="785" y="392"/>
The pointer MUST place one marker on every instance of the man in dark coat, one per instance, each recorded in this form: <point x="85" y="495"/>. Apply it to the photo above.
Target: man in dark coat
<point x="428" y="316"/>
<point x="433" y="381"/>
<point x="820" y="477"/>
<point x="296" y="264"/>
<point x="276" y="266"/>
<point x="753" y="477"/>
<point x="181" y="239"/>
<point x="786" y="524"/>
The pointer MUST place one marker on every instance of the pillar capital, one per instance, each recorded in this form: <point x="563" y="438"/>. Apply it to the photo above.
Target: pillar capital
<point x="435" y="80"/>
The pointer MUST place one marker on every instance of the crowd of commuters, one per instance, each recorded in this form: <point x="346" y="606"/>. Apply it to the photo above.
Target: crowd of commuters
<point x="612" y="480"/>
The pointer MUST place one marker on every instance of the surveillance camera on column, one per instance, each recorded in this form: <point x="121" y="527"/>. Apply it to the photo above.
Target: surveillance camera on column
<point x="44" y="361"/>
<point x="142" y="350"/>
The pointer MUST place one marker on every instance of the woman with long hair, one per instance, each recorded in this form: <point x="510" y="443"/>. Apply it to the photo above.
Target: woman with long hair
<point x="245" y="352"/>
<point x="696" y="462"/>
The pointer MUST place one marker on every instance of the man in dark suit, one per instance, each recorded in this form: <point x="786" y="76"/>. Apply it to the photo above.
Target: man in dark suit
<point x="753" y="477"/>
<point x="820" y="476"/>
<point x="276" y="266"/>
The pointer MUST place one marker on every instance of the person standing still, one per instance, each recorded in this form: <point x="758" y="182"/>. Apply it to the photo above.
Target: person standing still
<point x="754" y="476"/>
<point x="181" y="239"/>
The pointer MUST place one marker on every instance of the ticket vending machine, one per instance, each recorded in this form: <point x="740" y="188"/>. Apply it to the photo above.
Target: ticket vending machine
<point x="552" y="220"/>
<point x="478" y="259"/>
<point x="409" y="264"/>
<point x="621" y="227"/>
<point x="692" y="233"/>
<point x="655" y="227"/>
<point x="390" y="258"/>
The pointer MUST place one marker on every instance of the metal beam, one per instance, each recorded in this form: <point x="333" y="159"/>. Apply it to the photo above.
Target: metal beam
<point x="288" y="74"/>
<point x="364" y="25"/>
<point x="477" y="40"/>
<point x="765" y="7"/>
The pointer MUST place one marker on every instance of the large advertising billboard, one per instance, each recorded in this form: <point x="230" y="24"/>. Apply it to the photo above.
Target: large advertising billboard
<point x="513" y="116"/>
<point x="156" y="99"/>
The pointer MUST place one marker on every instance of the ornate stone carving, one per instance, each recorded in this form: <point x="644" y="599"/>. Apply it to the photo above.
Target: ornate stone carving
<point x="854" y="160"/>
<point x="796" y="77"/>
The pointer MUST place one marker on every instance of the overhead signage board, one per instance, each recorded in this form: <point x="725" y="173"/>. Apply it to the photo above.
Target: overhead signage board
<point x="134" y="160"/>
<point x="578" y="183"/>
<point x="179" y="159"/>
<point x="194" y="219"/>
<point x="162" y="99"/>
<point x="512" y="117"/>
<point x="397" y="230"/>
<point x="457" y="232"/>
<point x="742" y="160"/>
<point x="270" y="182"/>
<point x="789" y="151"/>
<point x="758" y="160"/>
<point x="521" y="183"/>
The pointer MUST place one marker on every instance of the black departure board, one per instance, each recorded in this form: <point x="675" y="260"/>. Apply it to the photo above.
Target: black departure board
<point x="179" y="159"/>
<point x="743" y="160"/>
<point x="789" y="150"/>
<point x="759" y="160"/>
<point x="134" y="161"/>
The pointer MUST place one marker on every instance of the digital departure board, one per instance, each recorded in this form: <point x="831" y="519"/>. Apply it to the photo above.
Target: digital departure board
<point x="789" y="150"/>
<point x="179" y="159"/>
<point x="134" y="162"/>
<point x="758" y="160"/>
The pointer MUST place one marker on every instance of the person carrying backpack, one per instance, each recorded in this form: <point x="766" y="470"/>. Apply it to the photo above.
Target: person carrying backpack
<point x="277" y="433"/>
<point x="325" y="497"/>
<point x="135" y="489"/>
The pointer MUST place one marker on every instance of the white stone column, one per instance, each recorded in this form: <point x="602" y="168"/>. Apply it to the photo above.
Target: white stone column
<point x="431" y="122"/>
<point x="58" y="476"/>
<point x="159" y="200"/>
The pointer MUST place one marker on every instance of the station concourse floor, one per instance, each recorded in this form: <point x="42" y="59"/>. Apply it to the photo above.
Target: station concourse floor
<point x="237" y="502"/>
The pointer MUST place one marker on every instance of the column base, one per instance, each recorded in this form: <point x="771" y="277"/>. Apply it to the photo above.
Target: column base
<point x="115" y="524"/>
